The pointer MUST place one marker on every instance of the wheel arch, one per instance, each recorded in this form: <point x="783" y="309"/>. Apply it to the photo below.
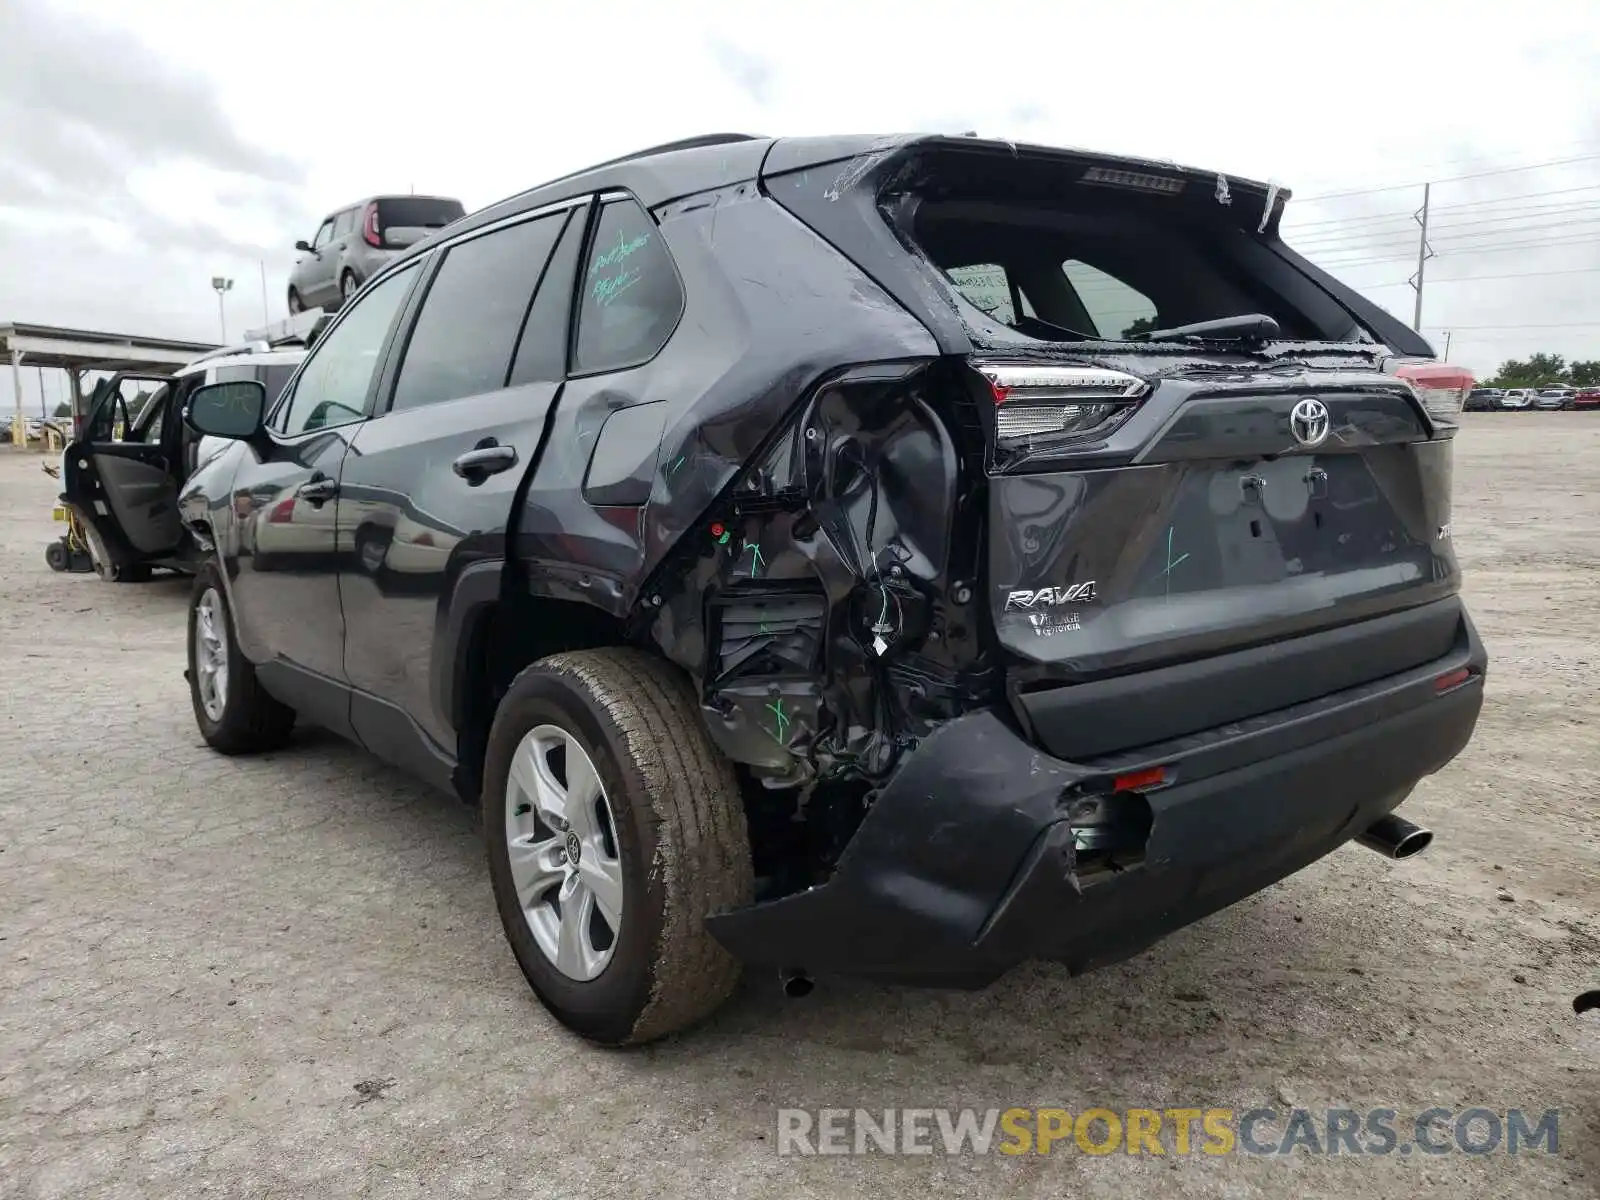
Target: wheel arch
<point x="490" y="625"/>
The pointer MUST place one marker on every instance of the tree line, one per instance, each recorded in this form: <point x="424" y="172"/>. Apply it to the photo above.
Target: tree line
<point x="1545" y="370"/>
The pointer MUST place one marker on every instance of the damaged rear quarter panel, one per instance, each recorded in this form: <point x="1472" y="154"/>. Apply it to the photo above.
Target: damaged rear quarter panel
<point x="791" y="516"/>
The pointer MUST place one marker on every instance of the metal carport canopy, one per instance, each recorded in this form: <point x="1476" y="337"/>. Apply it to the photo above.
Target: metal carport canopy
<point x="88" y="350"/>
<point x="78" y="350"/>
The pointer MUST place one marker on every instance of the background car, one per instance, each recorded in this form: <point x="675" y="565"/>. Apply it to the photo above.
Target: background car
<point x="122" y="474"/>
<point x="1517" y="399"/>
<point x="1553" y="398"/>
<point x="1483" y="400"/>
<point x="355" y="241"/>
<point x="1586" y="398"/>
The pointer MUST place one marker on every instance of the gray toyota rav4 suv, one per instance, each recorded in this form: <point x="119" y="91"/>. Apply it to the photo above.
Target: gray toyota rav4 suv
<point x="893" y="557"/>
<point x="352" y="244"/>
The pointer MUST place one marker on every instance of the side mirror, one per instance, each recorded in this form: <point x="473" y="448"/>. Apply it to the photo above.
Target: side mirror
<point x="229" y="410"/>
<point x="303" y="246"/>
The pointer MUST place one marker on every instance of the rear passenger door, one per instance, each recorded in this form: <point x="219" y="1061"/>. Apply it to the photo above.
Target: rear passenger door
<point x="430" y="483"/>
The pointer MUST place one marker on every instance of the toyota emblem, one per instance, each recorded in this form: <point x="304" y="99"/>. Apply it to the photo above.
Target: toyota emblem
<point x="1309" y="422"/>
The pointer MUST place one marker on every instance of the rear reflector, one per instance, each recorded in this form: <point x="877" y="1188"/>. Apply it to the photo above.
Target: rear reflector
<point x="1452" y="679"/>
<point x="1134" y="780"/>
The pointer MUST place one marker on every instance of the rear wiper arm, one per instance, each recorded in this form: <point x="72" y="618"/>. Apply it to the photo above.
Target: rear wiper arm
<point x="1248" y="327"/>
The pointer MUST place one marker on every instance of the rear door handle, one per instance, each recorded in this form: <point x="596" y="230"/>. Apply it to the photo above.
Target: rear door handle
<point x="487" y="458"/>
<point x="317" y="490"/>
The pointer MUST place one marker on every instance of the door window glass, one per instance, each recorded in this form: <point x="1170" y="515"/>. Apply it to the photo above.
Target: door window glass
<point x="542" y="349"/>
<point x="332" y="387"/>
<point x="324" y="235"/>
<point x="344" y="223"/>
<point x="466" y="333"/>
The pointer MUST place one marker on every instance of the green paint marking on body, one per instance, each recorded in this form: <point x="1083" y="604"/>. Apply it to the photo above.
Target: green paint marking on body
<point x="756" y="560"/>
<point x="674" y="467"/>
<point x="782" y="720"/>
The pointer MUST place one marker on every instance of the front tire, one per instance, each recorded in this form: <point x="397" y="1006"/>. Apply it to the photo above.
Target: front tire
<point x="606" y="805"/>
<point x="234" y="713"/>
<point x="296" y="305"/>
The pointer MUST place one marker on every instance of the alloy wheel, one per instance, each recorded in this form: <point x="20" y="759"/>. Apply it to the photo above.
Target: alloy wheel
<point x="211" y="654"/>
<point x="562" y="845"/>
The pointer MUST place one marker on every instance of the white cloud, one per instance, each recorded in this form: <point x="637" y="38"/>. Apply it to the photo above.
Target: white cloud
<point x="483" y="98"/>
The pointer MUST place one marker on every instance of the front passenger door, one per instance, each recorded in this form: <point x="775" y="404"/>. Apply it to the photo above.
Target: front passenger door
<point x="125" y="489"/>
<point x="284" y="587"/>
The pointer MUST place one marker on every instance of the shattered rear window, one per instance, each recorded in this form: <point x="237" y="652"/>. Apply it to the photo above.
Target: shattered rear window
<point x="1091" y="271"/>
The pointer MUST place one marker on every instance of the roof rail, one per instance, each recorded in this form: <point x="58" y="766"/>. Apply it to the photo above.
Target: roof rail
<point x="688" y="143"/>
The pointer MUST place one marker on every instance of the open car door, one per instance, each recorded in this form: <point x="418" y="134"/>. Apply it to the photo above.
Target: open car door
<point x="118" y="479"/>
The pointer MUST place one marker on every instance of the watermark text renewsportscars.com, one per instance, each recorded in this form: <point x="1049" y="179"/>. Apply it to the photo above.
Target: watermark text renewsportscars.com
<point x="1262" y="1132"/>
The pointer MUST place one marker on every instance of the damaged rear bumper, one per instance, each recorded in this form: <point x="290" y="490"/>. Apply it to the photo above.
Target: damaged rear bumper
<point x="984" y="851"/>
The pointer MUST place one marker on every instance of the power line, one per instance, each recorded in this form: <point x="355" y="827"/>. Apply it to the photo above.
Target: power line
<point x="1397" y="187"/>
<point x="1465" y="252"/>
<point x="1532" y="212"/>
<point x="1588" y="187"/>
<point x="1473" y="278"/>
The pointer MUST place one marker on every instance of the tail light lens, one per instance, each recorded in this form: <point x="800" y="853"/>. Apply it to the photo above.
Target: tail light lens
<point x="369" y="226"/>
<point x="1039" y="409"/>
<point x="282" y="512"/>
<point x="1441" y="387"/>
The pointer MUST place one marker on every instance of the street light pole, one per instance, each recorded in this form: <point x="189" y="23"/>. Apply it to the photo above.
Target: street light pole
<point x="222" y="287"/>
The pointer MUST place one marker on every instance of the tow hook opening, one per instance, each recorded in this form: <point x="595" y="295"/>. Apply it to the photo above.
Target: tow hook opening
<point x="1109" y="833"/>
<point x="1395" y="837"/>
<point x="796" y="984"/>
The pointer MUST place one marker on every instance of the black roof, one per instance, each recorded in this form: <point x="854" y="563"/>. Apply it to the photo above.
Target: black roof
<point x="660" y="174"/>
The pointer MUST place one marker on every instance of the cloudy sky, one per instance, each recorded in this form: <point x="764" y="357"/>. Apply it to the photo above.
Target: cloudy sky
<point x="142" y="154"/>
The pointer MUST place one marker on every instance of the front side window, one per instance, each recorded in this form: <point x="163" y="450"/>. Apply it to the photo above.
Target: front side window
<point x="324" y="235"/>
<point x="332" y="387"/>
<point x="466" y="333"/>
<point x="1116" y="310"/>
<point x="630" y="297"/>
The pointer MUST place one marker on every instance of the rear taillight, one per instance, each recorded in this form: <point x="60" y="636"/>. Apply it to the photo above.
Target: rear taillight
<point x="1441" y="388"/>
<point x="369" y="226"/>
<point x="282" y="512"/>
<point x="1039" y="409"/>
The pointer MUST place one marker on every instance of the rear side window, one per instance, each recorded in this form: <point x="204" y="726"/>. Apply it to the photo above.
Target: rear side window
<point x="344" y="222"/>
<point x="985" y="287"/>
<point x="630" y="298"/>
<point x="466" y="333"/>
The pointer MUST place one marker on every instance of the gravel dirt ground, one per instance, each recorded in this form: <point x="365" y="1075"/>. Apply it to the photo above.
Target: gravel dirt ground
<point x="285" y="976"/>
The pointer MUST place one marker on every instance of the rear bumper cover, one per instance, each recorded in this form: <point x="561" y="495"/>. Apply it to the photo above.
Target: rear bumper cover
<point x="977" y="855"/>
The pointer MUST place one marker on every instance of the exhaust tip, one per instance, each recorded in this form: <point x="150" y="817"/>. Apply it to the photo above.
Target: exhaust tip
<point x="1414" y="842"/>
<point x="1395" y="837"/>
<point x="796" y="984"/>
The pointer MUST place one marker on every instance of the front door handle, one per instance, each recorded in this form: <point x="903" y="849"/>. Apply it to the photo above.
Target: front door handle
<point x="487" y="458"/>
<point x="317" y="490"/>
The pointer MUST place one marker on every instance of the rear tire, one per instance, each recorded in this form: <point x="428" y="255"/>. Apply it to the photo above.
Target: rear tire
<point x="677" y="850"/>
<point x="235" y="716"/>
<point x="296" y="305"/>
